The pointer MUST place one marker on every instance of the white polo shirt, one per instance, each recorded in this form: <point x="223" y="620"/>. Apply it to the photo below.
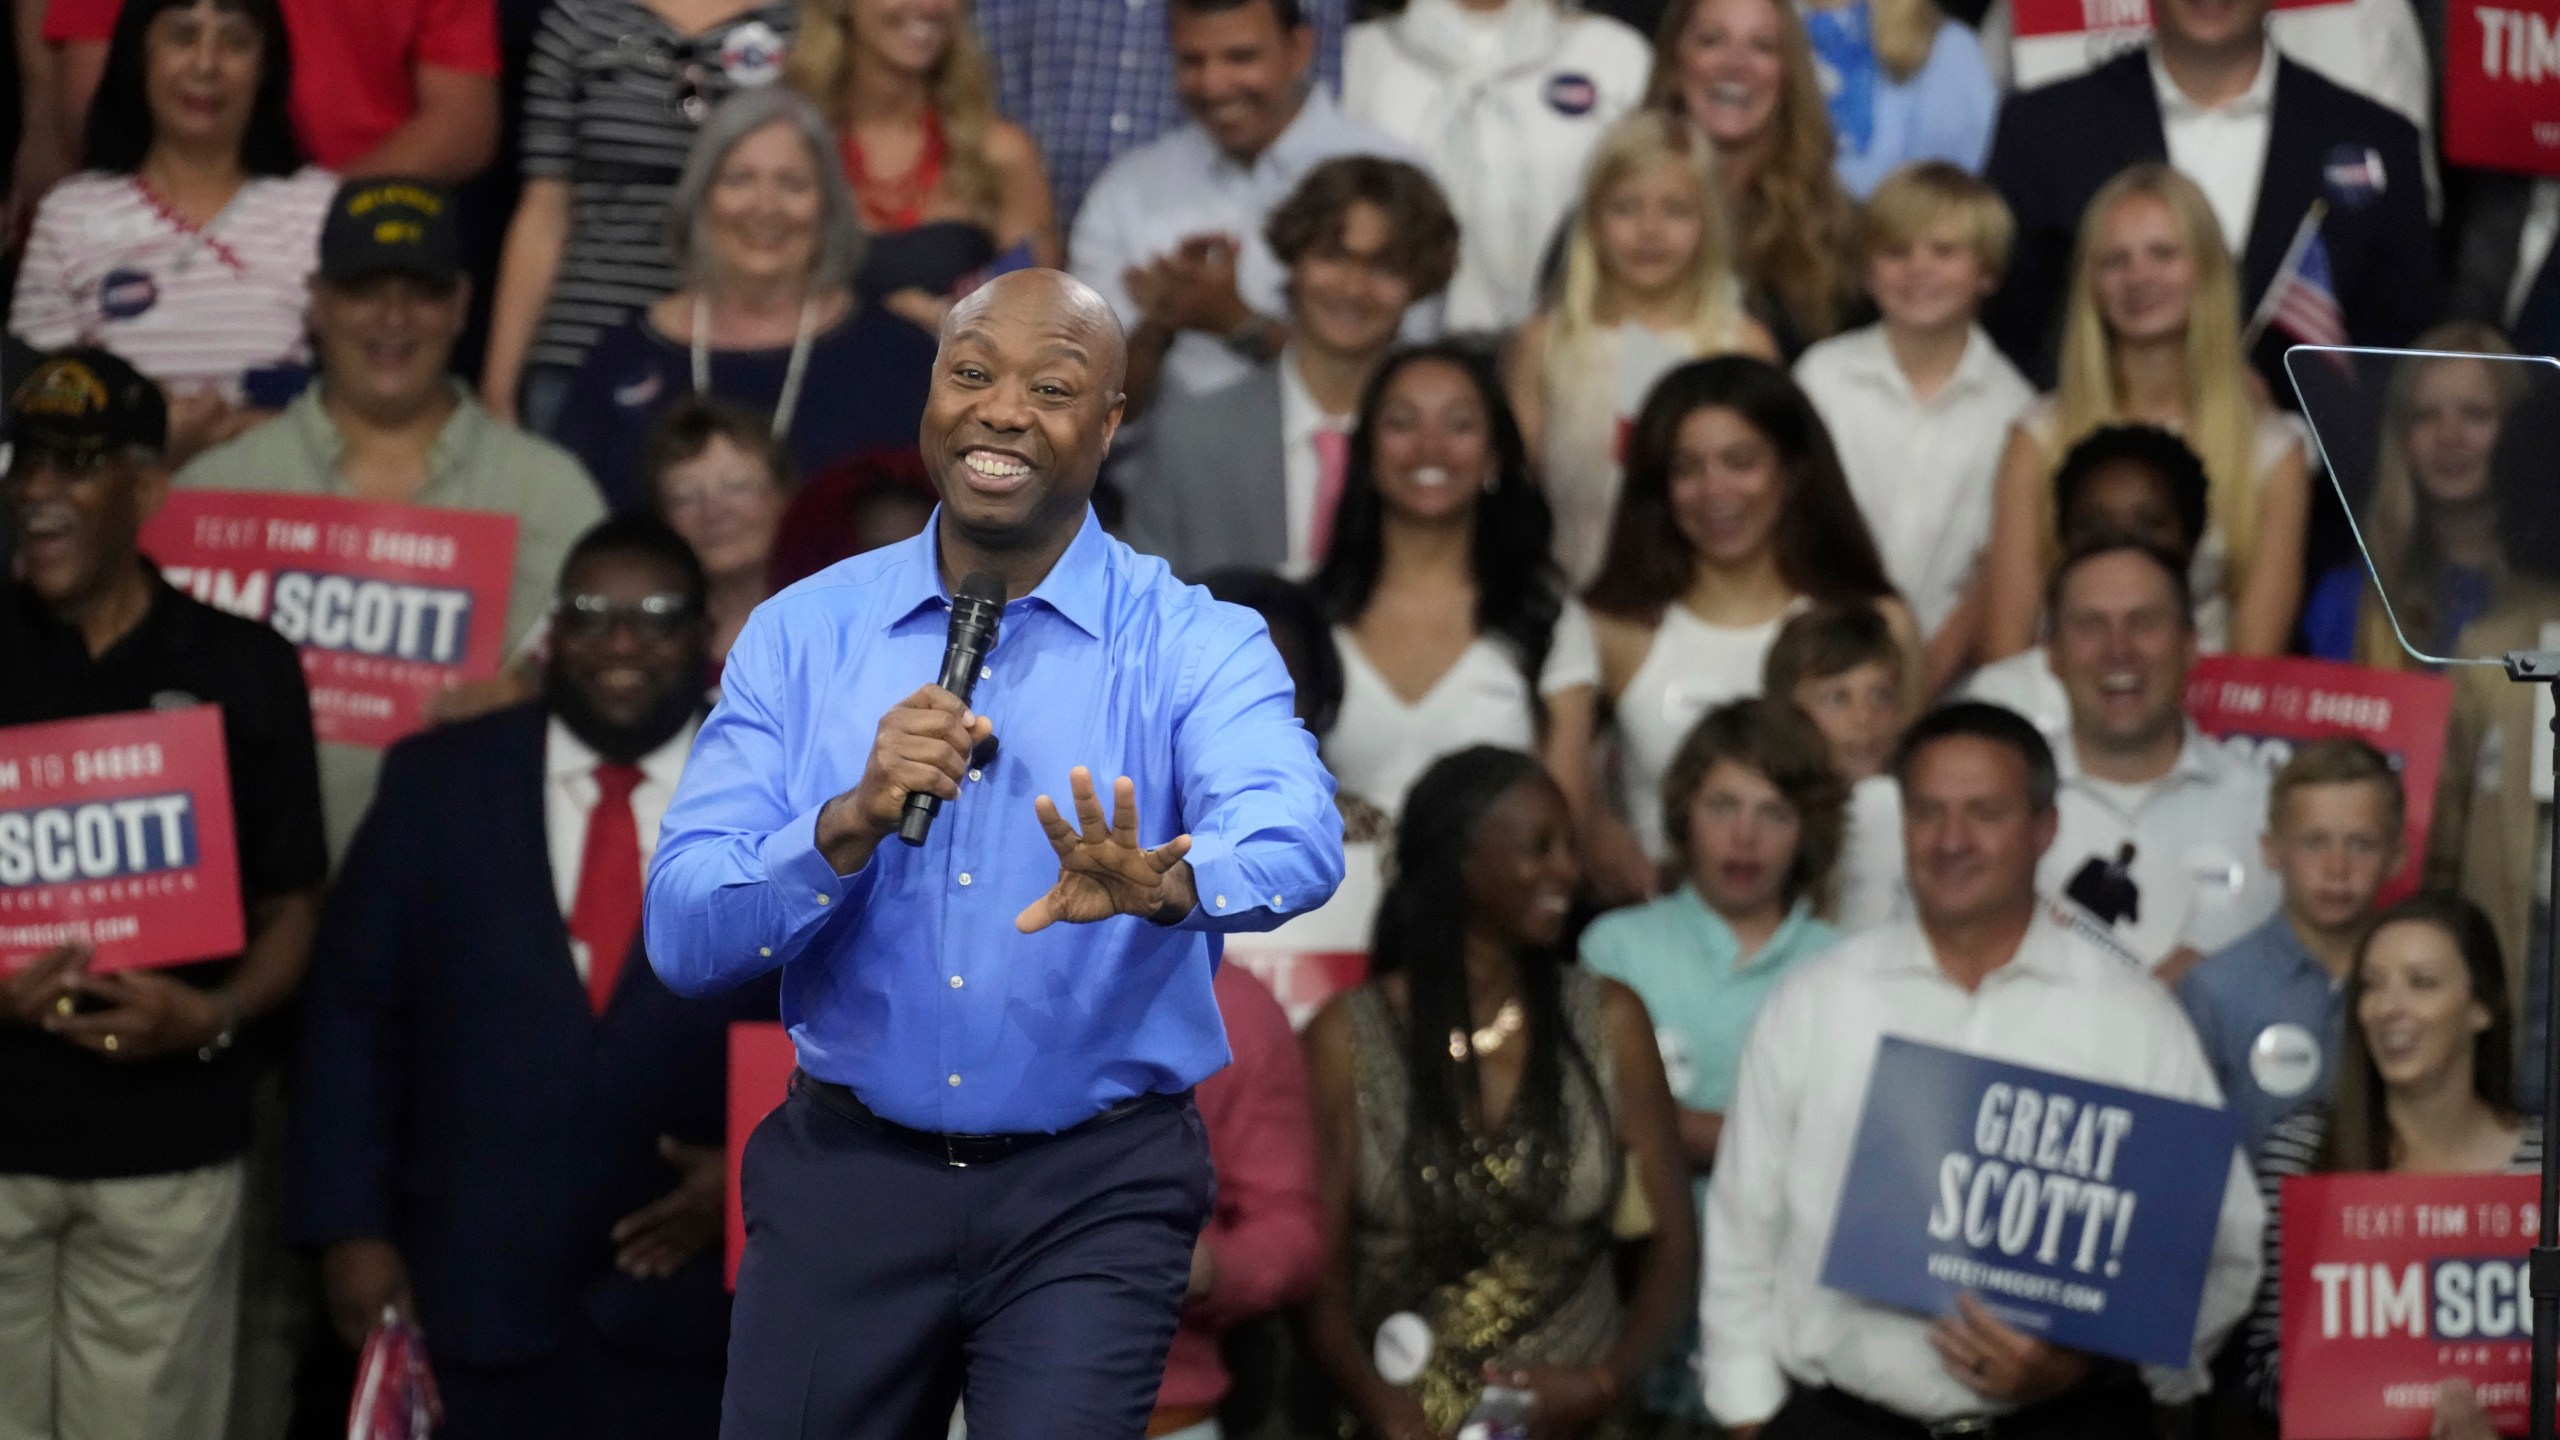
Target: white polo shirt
<point x="2061" y="1005"/>
<point x="2196" y="876"/>
<point x="1922" y="470"/>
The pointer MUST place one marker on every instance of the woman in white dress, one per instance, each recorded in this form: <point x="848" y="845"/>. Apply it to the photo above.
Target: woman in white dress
<point x="2152" y="337"/>
<point x="1454" y="627"/>
<point x="1734" y="516"/>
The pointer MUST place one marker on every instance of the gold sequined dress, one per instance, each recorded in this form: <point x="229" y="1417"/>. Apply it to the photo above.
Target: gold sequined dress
<point x="1540" y="1290"/>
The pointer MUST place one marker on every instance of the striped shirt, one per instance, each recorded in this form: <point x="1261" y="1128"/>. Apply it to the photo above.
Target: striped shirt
<point x="2293" y="1148"/>
<point x="613" y="94"/>
<point x="1092" y="79"/>
<point x="108" y="264"/>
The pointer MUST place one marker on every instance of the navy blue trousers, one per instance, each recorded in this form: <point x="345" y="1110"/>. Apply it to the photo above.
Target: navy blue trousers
<point x="879" y="1284"/>
<point x="590" y="1390"/>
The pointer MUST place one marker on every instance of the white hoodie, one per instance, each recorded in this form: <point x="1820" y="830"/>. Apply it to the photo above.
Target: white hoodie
<point x="1505" y="107"/>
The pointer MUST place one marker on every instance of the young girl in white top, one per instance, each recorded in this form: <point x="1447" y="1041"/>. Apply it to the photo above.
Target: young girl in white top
<point x="2151" y="337"/>
<point x="1453" y="626"/>
<point x="1648" y="283"/>
<point x="1735" y="515"/>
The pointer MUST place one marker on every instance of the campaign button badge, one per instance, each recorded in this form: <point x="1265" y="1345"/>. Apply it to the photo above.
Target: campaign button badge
<point x="2284" y="1059"/>
<point x="125" y="293"/>
<point x="1572" y="93"/>
<point x="640" y="393"/>
<point x="1402" y="1348"/>
<point x="751" y="55"/>
<point x="2354" y="176"/>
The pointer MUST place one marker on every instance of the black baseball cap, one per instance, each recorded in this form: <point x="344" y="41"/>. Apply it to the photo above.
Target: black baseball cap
<point x="390" y="226"/>
<point x="82" y="404"/>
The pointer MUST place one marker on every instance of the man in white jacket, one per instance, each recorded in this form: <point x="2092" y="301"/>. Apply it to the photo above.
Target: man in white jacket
<point x="1504" y="98"/>
<point x="1985" y="971"/>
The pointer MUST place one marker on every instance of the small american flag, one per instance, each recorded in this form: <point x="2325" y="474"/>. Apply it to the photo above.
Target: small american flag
<point x="2302" y="301"/>
<point x="395" y="1395"/>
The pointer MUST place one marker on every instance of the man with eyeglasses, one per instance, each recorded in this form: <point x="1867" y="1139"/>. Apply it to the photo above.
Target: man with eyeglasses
<point x="386" y="422"/>
<point x="125" y="1098"/>
<point x="509" y="1129"/>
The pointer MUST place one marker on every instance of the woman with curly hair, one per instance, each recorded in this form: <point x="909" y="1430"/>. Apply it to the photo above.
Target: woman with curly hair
<point x="1742" y="72"/>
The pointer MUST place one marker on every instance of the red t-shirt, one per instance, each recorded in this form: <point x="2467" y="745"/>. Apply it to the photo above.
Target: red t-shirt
<point x="353" y="77"/>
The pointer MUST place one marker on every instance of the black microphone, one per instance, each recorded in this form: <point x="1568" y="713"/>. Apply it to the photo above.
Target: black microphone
<point x="976" y="610"/>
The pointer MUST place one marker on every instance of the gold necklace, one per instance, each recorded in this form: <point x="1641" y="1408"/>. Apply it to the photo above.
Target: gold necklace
<point x="1485" y="1039"/>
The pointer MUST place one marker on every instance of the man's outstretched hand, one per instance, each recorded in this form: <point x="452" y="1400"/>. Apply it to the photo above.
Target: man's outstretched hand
<point x="1102" y="871"/>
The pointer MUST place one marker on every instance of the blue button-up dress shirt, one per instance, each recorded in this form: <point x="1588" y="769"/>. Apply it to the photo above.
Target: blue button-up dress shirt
<point x="906" y="980"/>
<point x="2263" y="1005"/>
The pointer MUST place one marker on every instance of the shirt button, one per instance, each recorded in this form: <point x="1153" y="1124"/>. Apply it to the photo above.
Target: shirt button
<point x="955" y="1080"/>
<point x="973" y="776"/>
<point x="765" y="950"/>
<point x="986" y="672"/>
<point x="1120" y="124"/>
<point x="1275" y="902"/>
<point x="1222" y="902"/>
<point x="822" y="899"/>
<point x="964" y="877"/>
<point x="955" y="982"/>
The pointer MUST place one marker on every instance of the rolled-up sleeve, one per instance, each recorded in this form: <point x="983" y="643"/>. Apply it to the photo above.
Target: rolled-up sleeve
<point x="738" y="885"/>
<point x="1266" y="840"/>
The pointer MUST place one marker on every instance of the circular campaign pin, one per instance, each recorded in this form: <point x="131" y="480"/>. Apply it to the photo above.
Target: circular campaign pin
<point x="1571" y="93"/>
<point x="2284" y="1059"/>
<point x="1403" y="1347"/>
<point x="751" y="55"/>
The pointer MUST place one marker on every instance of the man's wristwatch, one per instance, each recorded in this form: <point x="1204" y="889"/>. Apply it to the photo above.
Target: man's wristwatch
<point x="1257" y="339"/>
<point x="213" y="1049"/>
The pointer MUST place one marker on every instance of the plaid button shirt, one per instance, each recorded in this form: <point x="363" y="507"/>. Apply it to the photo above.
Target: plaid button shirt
<point x="1093" y="78"/>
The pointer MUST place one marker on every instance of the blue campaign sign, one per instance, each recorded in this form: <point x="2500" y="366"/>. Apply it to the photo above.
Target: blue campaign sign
<point x="2080" y="1213"/>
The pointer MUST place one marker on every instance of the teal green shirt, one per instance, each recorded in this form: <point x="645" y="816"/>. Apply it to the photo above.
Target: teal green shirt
<point x="1678" y="956"/>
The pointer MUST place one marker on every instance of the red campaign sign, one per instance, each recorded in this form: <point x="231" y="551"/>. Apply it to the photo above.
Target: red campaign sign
<point x="2030" y="19"/>
<point x="2262" y="708"/>
<point x="2392" y="1283"/>
<point x="2502" y="86"/>
<point x="115" y="831"/>
<point x="389" y="603"/>
<point x="761" y="1059"/>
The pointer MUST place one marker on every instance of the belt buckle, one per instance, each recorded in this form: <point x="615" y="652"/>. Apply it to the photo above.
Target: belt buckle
<point x="1961" y="1425"/>
<point x="951" y="1154"/>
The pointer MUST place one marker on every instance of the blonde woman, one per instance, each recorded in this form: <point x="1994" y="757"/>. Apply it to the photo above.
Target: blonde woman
<point x="2151" y="336"/>
<point x="1906" y="85"/>
<point x="2432" y="516"/>
<point x="1648" y="283"/>
<point x="945" y="187"/>
<point x="1741" y="71"/>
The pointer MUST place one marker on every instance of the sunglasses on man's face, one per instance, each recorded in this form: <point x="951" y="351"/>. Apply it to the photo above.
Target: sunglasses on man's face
<point x="592" y="617"/>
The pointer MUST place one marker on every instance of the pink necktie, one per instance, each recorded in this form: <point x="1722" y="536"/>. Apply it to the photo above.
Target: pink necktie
<point x="1333" y="464"/>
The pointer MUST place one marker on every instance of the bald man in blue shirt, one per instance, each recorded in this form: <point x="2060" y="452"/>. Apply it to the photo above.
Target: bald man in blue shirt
<point x="989" y="1177"/>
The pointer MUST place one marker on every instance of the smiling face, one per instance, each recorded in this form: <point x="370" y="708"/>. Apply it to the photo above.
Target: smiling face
<point x="1520" y="870"/>
<point x="626" y="650"/>
<point x="1650" y="225"/>
<point x="1743" y="839"/>
<point x="75" y="523"/>
<point x="1347" y="299"/>
<point x="1970" y="832"/>
<point x="1732" y="68"/>
<point x="2146" y="271"/>
<point x="1025" y="400"/>
<point x="200" y="73"/>
<point x="1727" y="482"/>
<point x="1434" y="443"/>
<point x="2454" y="418"/>
<point x="1932" y="281"/>
<point x="1859" y="712"/>
<point x="384" y="341"/>
<point x="727" y="505"/>
<point x="2415" y="1005"/>
<point x="906" y="36"/>
<point x="763" y="212"/>
<point x="1240" y="74"/>
<point x="2121" y="649"/>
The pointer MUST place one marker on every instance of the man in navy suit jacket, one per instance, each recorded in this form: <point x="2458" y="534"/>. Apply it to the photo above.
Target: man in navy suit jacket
<point x="521" y="1150"/>
<point x="2202" y="73"/>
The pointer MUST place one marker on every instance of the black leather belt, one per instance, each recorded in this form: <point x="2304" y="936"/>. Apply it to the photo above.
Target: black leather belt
<point x="963" y="1151"/>
<point x="2111" y="1385"/>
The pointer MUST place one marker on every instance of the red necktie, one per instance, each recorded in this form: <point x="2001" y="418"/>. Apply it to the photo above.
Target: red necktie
<point x="607" y="912"/>
<point x="1333" y="466"/>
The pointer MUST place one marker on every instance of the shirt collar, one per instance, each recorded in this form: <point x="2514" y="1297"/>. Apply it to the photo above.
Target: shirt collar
<point x="2199" y="760"/>
<point x="1722" y="945"/>
<point x="2039" y="951"/>
<point x="1305" y="131"/>
<point x="2256" y="101"/>
<point x="1300" y="415"/>
<point x="454" y="440"/>
<point x="1870" y="357"/>
<point x="1077" y="587"/>
<point x="564" y="755"/>
<point x="2275" y="935"/>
